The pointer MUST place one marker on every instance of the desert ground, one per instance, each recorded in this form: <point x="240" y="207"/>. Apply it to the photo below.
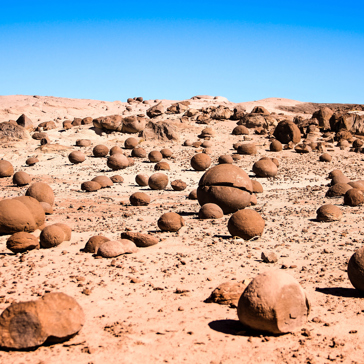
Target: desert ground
<point x="149" y="306"/>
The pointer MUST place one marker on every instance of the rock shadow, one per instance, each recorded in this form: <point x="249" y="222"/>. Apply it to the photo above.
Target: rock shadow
<point x="236" y="328"/>
<point x="341" y="292"/>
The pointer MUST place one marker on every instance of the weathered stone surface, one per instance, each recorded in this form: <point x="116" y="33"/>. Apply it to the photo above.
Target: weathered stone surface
<point x="161" y="130"/>
<point x="114" y="248"/>
<point x="227" y="293"/>
<point x="21" y="242"/>
<point x="25" y="122"/>
<point x="287" y="131"/>
<point x="139" y="239"/>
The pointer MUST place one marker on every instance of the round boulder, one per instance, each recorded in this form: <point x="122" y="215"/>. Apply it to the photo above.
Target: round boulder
<point x="21" y="178"/>
<point x="246" y="224"/>
<point x="273" y="302"/>
<point x="275" y="146"/>
<point x="155" y="156"/>
<point x="76" y="157"/>
<point x="158" y="181"/>
<point x="138" y="153"/>
<point x="200" y="162"/>
<point x="353" y="197"/>
<point x="117" y="162"/>
<point x="325" y="157"/>
<point x="130" y="143"/>
<point x="32" y="161"/>
<point x="42" y="192"/>
<point x="22" y="242"/>
<point x="287" y="131"/>
<point x="139" y="199"/>
<point x="210" y="211"/>
<point x="142" y="179"/>
<point x="103" y="181"/>
<point x="170" y="221"/>
<point x="226" y="185"/>
<point x="117" y="179"/>
<point x="178" y="185"/>
<point x="247" y="148"/>
<point x="100" y="151"/>
<point x="93" y="244"/>
<point x="329" y="213"/>
<point x="90" y="186"/>
<point x="51" y="236"/>
<point x="6" y="169"/>
<point x="356" y="269"/>
<point x="265" y="168"/>
<point x="337" y="190"/>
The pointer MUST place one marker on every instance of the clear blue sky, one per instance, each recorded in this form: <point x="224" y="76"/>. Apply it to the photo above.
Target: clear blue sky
<point x="243" y="50"/>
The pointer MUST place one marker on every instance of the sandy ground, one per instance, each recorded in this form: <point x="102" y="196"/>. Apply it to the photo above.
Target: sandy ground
<point x="149" y="307"/>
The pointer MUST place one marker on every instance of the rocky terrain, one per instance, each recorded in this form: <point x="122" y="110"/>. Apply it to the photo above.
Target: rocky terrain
<point x="152" y="306"/>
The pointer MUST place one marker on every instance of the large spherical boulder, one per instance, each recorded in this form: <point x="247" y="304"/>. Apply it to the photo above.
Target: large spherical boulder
<point x="22" y="242"/>
<point x="240" y="130"/>
<point x="200" y="162"/>
<point x="353" y="197"/>
<point x="210" y="211"/>
<point x="15" y="217"/>
<point x="170" y="221"/>
<point x="328" y="213"/>
<point x="246" y="224"/>
<point x="117" y="162"/>
<point x="287" y="131"/>
<point x="42" y="192"/>
<point x="66" y="229"/>
<point x="90" y="186"/>
<point x="226" y="185"/>
<point x="100" y="151"/>
<point x="142" y="179"/>
<point x="158" y="181"/>
<point x="356" y="269"/>
<point x="162" y="166"/>
<point x="275" y="146"/>
<point x="265" y="168"/>
<point x="273" y="302"/>
<point x="139" y="153"/>
<point x="51" y="236"/>
<point x="21" y="178"/>
<point x="130" y="143"/>
<point x="139" y="199"/>
<point x="155" y="156"/>
<point x="76" y="157"/>
<point x="6" y="169"/>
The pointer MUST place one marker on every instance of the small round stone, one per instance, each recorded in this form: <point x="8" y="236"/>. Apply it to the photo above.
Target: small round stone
<point x="329" y="213"/>
<point x="275" y="146"/>
<point x="193" y="195"/>
<point x="210" y="211"/>
<point x="139" y="199"/>
<point x="166" y="153"/>
<point x="21" y="178"/>
<point x="200" y="162"/>
<point x="246" y="224"/>
<point x="117" y="162"/>
<point x="353" y="197"/>
<point x="265" y="168"/>
<point x="225" y="159"/>
<point x="138" y="153"/>
<point x="115" y="150"/>
<point x="247" y="148"/>
<point x="162" y="166"/>
<point x="93" y="244"/>
<point x="142" y="179"/>
<point x="76" y="157"/>
<point x="117" y="179"/>
<point x="6" y="169"/>
<point x="170" y="221"/>
<point x="155" y="156"/>
<point x="158" y="181"/>
<point x="131" y="143"/>
<point x="51" y="236"/>
<point x="83" y="143"/>
<point x="325" y="157"/>
<point x="100" y="151"/>
<point x="22" y="242"/>
<point x="90" y="186"/>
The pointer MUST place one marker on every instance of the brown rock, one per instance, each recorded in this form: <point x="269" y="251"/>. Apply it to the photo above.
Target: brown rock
<point x="200" y="162"/>
<point x="329" y="213"/>
<point x="22" y="242"/>
<point x="353" y="197"/>
<point x="240" y="130"/>
<point x="103" y="181"/>
<point x="115" y="150"/>
<point x="275" y="146"/>
<point x="323" y="116"/>
<point x="273" y="302"/>
<point x="9" y="131"/>
<point x="90" y="186"/>
<point x="156" y="110"/>
<point x="155" y="156"/>
<point x="158" y="181"/>
<point x="117" y="162"/>
<point x="93" y="244"/>
<point x="257" y="187"/>
<point x="100" y="151"/>
<point x="210" y="211"/>
<point x="246" y="224"/>
<point x="178" y="185"/>
<point x="270" y="257"/>
<point x="139" y="199"/>
<point x="339" y="189"/>
<point x="166" y="153"/>
<point x="139" y="239"/>
<point x="48" y="209"/>
<point x="25" y="122"/>
<point x="114" y="248"/>
<point x="247" y="148"/>
<point x="117" y="179"/>
<point x="51" y="236"/>
<point x="162" y="166"/>
<point x="356" y="269"/>
<point x="76" y="157"/>
<point x="130" y="143"/>
<point x="225" y="159"/>
<point x="21" y="178"/>
<point x="227" y="186"/>
<point x="31" y="161"/>
<point x="227" y="293"/>
<point x="340" y="178"/>
<point x="83" y="142"/>
<point x="142" y="179"/>
<point x="162" y="130"/>
<point x="265" y="168"/>
<point x="42" y="192"/>
<point x="193" y="195"/>
<point x="35" y="209"/>
<point x="6" y="169"/>
<point x="133" y="124"/>
<point x="260" y="110"/>
<point x="325" y="157"/>
<point x="66" y="229"/>
<point x="303" y="148"/>
<point x="286" y="131"/>
<point x="170" y="221"/>
<point x="138" y="153"/>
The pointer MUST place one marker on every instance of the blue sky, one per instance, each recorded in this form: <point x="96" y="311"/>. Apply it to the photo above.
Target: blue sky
<point x="243" y="50"/>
